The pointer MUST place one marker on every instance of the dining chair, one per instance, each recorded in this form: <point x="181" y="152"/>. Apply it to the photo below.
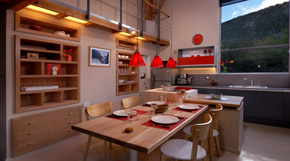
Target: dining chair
<point x="129" y="102"/>
<point x="180" y="149"/>
<point x="94" y="111"/>
<point x="213" y="131"/>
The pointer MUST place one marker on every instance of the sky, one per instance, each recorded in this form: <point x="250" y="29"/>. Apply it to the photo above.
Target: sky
<point x="235" y="10"/>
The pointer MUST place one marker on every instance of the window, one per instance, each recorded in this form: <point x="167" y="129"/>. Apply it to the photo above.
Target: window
<point x="255" y="36"/>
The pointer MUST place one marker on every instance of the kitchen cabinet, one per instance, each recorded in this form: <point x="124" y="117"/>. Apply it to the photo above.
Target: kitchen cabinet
<point x="265" y="105"/>
<point x="38" y="130"/>
<point x="206" y="90"/>
<point x="286" y="106"/>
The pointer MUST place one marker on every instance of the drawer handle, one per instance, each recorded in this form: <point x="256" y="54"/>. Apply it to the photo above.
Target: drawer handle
<point x="31" y="143"/>
<point x="31" y="123"/>
<point x="31" y="133"/>
<point x="70" y="122"/>
<point x="70" y="114"/>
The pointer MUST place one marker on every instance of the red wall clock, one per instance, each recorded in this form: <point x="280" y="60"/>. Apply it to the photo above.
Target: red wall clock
<point x="197" y="39"/>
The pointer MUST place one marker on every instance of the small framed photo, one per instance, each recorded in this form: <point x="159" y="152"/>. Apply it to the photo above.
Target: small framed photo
<point x="99" y="57"/>
<point x="53" y="69"/>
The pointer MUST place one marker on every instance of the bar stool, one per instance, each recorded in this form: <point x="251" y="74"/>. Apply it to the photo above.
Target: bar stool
<point x="129" y="102"/>
<point x="181" y="149"/>
<point x="213" y="132"/>
<point x="93" y="111"/>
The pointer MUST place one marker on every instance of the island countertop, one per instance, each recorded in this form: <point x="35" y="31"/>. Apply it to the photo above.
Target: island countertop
<point x="233" y="101"/>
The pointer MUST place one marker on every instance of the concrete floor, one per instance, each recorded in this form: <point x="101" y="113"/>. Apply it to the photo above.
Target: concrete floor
<point x="261" y="143"/>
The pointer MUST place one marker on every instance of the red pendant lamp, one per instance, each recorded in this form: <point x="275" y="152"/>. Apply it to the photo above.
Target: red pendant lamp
<point x="137" y="60"/>
<point x="157" y="62"/>
<point x="171" y="62"/>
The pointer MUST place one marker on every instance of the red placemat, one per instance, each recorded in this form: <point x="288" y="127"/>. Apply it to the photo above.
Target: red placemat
<point x="139" y="112"/>
<point x="191" y="111"/>
<point x="165" y="127"/>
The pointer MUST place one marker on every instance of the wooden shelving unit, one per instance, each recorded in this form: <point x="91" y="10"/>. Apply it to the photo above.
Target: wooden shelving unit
<point x="49" y="26"/>
<point x="126" y="44"/>
<point x="33" y="72"/>
<point x="130" y="75"/>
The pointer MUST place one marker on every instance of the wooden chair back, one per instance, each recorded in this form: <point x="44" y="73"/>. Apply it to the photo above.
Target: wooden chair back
<point x="200" y="134"/>
<point x="130" y="102"/>
<point x="215" y="114"/>
<point x="99" y="109"/>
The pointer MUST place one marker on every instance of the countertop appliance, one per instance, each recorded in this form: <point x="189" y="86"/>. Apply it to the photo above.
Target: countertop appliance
<point x="160" y="76"/>
<point x="183" y="79"/>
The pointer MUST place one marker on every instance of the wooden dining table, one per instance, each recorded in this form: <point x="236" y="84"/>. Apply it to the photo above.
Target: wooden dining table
<point x="143" y="138"/>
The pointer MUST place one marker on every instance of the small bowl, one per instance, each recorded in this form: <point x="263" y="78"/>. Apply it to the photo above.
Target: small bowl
<point x="161" y="108"/>
<point x="216" y="96"/>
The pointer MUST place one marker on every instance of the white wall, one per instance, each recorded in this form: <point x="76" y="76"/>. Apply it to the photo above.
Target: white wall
<point x="192" y="17"/>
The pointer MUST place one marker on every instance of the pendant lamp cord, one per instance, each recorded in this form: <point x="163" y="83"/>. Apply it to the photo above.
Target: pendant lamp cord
<point x="137" y="24"/>
<point x="158" y="17"/>
<point x="171" y="27"/>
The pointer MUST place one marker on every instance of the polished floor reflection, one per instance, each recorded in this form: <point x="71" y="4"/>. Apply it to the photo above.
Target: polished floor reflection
<point x="261" y="143"/>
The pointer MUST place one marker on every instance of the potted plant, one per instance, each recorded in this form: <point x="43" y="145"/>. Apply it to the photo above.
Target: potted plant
<point x="68" y="54"/>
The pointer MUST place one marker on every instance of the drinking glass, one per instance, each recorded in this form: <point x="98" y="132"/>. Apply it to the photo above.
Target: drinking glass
<point x="129" y="114"/>
<point x="162" y="99"/>
<point x="180" y="100"/>
<point x="154" y="107"/>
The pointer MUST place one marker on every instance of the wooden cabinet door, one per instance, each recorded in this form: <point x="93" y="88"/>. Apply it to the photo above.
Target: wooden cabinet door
<point x="230" y="92"/>
<point x="286" y="106"/>
<point x="265" y="105"/>
<point x="206" y="91"/>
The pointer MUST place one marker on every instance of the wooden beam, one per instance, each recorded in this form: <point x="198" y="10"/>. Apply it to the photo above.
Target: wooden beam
<point x="20" y="4"/>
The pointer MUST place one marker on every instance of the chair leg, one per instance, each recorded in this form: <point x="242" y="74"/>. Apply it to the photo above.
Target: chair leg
<point x="163" y="157"/>
<point x="110" y="145"/>
<point x="186" y="136"/>
<point x="210" y="148"/>
<point x="88" y="147"/>
<point x="218" y="148"/>
<point x="105" y="150"/>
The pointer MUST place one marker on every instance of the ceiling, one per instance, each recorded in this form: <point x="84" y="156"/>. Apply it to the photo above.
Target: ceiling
<point x="228" y="2"/>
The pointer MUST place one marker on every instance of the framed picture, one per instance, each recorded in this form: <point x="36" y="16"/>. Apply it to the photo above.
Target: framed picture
<point x="53" y="69"/>
<point x="99" y="57"/>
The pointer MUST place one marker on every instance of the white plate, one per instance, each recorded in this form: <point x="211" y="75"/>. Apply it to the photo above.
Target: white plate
<point x="155" y="102"/>
<point x="164" y="119"/>
<point x="189" y="107"/>
<point x="123" y="113"/>
<point x="222" y="98"/>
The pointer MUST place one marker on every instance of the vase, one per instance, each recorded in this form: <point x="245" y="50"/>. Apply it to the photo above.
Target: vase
<point x="225" y="69"/>
<point x="68" y="58"/>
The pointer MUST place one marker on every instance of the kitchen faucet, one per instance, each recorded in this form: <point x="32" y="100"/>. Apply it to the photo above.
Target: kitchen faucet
<point x="252" y="81"/>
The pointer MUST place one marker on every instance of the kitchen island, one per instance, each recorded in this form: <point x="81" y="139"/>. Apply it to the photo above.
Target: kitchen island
<point x="231" y="121"/>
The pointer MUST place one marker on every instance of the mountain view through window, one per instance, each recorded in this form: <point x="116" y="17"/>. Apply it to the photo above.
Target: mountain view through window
<point x="255" y="37"/>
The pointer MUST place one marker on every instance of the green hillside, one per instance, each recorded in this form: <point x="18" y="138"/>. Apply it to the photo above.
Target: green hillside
<point x="269" y="26"/>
